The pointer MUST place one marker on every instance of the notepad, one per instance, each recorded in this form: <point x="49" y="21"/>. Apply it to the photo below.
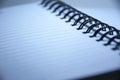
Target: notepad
<point x="37" y="45"/>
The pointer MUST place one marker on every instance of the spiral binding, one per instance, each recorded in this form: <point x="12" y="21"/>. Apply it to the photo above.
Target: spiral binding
<point x="83" y="19"/>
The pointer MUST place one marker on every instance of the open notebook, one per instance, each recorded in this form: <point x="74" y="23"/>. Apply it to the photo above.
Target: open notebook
<point x="37" y="45"/>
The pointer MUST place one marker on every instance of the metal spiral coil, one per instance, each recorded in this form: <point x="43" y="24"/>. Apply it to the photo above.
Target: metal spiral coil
<point x="84" y="19"/>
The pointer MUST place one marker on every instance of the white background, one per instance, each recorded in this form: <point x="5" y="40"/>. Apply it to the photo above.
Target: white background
<point x="80" y="3"/>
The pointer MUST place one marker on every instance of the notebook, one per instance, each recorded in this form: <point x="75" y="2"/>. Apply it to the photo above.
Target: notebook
<point x="36" y="44"/>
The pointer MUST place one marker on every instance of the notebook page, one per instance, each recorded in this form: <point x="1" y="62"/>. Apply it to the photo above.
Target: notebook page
<point x="37" y="45"/>
<point x="110" y="16"/>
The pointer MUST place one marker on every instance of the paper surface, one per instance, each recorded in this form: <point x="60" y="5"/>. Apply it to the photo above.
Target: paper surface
<point x="37" y="45"/>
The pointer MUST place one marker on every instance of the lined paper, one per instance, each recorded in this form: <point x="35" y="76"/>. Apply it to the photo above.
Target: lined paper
<point x="37" y="45"/>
